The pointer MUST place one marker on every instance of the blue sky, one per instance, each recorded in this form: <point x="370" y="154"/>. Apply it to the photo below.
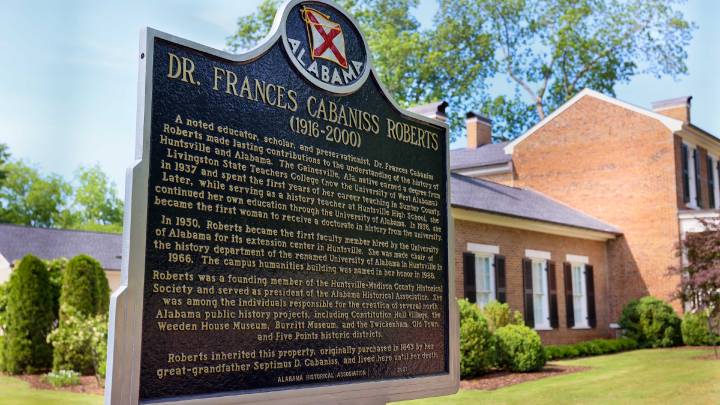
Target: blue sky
<point x="68" y="73"/>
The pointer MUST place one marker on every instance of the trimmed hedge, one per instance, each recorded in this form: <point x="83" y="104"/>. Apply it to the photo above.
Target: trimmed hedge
<point x="651" y="322"/>
<point x="695" y="330"/>
<point x="590" y="348"/>
<point x="29" y="318"/>
<point x="476" y="341"/>
<point x="519" y="348"/>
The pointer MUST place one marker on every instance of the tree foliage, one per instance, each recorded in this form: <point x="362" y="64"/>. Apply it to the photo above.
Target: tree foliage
<point x="699" y="277"/>
<point x="29" y="318"/>
<point x="416" y="65"/>
<point x="28" y="197"/>
<point x="547" y="50"/>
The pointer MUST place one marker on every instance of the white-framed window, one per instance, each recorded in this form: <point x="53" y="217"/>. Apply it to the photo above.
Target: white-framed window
<point x="690" y="169"/>
<point x="579" y="293"/>
<point x="540" y="294"/>
<point x="484" y="272"/>
<point x="484" y="279"/>
<point x="713" y="171"/>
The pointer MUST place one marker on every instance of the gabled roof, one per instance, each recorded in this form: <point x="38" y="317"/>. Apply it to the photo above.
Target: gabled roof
<point x="16" y="241"/>
<point x="671" y="123"/>
<point x="483" y="195"/>
<point x="485" y="155"/>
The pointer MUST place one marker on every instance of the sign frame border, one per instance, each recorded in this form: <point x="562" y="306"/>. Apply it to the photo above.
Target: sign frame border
<point x="126" y="303"/>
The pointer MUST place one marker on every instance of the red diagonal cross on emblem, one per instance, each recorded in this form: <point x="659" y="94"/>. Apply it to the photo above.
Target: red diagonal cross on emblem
<point x="327" y="41"/>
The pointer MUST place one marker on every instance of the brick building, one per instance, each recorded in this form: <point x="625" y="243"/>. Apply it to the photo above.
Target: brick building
<point x="581" y="213"/>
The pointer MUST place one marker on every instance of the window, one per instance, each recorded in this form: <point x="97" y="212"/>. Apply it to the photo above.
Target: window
<point x="710" y="181"/>
<point x="713" y="175"/>
<point x="484" y="274"/>
<point x="696" y="175"/>
<point x="691" y="176"/>
<point x="484" y="279"/>
<point x="540" y="294"/>
<point x="685" y="174"/>
<point x="579" y="294"/>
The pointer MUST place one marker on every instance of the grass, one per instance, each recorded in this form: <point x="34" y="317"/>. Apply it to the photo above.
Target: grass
<point x="667" y="376"/>
<point x="17" y="392"/>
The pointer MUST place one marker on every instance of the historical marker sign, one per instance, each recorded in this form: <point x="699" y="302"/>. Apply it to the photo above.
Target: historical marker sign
<point x="287" y="232"/>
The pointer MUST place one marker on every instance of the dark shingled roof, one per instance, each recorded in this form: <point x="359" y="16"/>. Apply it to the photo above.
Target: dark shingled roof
<point x="496" y="198"/>
<point x="16" y="241"/>
<point x="486" y="155"/>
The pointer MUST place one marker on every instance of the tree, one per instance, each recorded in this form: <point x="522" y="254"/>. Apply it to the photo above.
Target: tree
<point x="416" y="65"/>
<point x="29" y="318"/>
<point x="4" y="157"/>
<point x="548" y="50"/>
<point x="98" y="206"/>
<point x="699" y="275"/>
<point x="27" y="198"/>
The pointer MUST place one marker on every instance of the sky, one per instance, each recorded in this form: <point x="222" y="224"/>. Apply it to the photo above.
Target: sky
<point x="68" y="73"/>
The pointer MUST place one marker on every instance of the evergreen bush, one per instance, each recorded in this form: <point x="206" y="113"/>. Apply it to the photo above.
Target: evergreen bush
<point x="476" y="342"/>
<point x="651" y="322"/>
<point x="83" y="288"/>
<point x="519" y="348"/>
<point x="696" y="331"/>
<point x="498" y="315"/>
<point x="29" y="318"/>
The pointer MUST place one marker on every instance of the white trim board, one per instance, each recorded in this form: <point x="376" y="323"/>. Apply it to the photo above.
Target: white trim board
<point x="480" y="248"/>
<point x="537" y="254"/>
<point x="577" y="259"/>
<point x="672" y="124"/>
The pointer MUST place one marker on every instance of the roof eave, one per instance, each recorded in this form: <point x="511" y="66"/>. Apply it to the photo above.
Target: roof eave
<point x="473" y="214"/>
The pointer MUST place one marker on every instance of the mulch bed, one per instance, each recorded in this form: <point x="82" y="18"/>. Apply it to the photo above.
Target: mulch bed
<point x="88" y="384"/>
<point x="500" y="379"/>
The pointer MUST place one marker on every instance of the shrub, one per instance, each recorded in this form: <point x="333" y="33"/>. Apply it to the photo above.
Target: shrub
<point x="29" y="318"/>
<point x="476" y="343"/>
<point x="103" y="290"/>
<point x="499" y="315"/>
<point x="84" y="287"/>
<point x="519" y="348"/>
<point x="56" y="270"/>
<point x="590" y="348"/>
<point x="4" y="291"/>
<point x="80" y="343"/>
<point x="651" y="322"/>
<point x="696" y="331"/>
<point x="62" y="378"/>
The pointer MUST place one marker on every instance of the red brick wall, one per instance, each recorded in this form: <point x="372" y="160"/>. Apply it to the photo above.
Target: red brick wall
<point x="512" y="244"/>
<point x="618" y="166"/>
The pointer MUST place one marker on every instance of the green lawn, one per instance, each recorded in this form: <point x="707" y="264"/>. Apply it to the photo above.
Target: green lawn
<point x="669" y="376"/>
<point x="662" y="376"/>
<point x="17" y="392"/>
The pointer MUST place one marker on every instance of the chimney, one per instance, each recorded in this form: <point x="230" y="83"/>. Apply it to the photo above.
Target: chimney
<point x="434" y="110"/>
<point x="479" y="130"/>
<point x="678" y="108"/>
